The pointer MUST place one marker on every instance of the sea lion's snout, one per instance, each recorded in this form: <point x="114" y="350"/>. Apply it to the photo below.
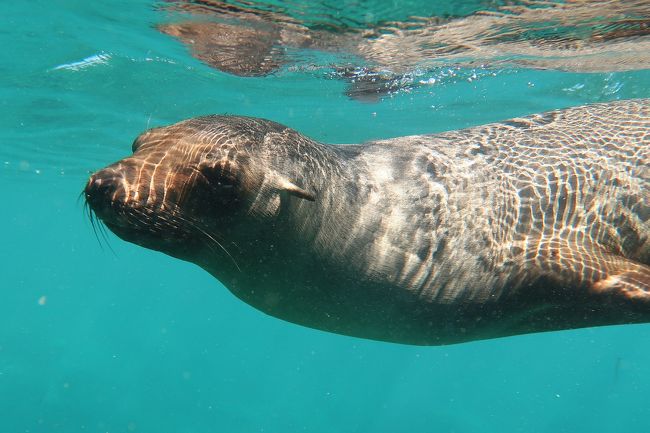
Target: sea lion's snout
<point x="104" y="189"/>
<point x="123" y="198"/>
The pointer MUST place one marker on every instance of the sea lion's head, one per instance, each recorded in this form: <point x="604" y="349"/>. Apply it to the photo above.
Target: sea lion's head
<point x="214" y="182"/>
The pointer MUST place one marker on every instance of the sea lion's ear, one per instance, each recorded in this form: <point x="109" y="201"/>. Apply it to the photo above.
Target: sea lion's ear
<point x="268" y="200"/>
<point x="294" y="190"/>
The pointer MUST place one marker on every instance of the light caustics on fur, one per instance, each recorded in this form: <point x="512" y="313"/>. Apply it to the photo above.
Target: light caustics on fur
<point x="532" y="224"/>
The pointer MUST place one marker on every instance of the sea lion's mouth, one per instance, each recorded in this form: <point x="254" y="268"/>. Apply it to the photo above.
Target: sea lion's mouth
<point x="103" y="190"/>
<point x="157" y="225"/>
<point x="107" y="195"/>
<point x="160" y="231"/>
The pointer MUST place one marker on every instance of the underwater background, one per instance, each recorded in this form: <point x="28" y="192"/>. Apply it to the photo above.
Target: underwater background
<point x="99" y="335"/>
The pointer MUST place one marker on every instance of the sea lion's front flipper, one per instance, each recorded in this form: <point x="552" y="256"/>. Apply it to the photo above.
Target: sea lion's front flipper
<point x="599" y="272"/>
<point x="629" y="280"/>
<point x="579" y="286"/>
<point x="238" y="49"/>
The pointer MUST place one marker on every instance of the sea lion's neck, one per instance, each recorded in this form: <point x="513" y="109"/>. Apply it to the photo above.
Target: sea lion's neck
<point x="375" y="217"/>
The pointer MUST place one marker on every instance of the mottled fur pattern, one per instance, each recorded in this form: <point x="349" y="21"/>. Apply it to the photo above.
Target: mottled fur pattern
<point x="533" y="224"/>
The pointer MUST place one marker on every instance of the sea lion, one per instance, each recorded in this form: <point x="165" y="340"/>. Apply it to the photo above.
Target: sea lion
<point x="533" y="224"/>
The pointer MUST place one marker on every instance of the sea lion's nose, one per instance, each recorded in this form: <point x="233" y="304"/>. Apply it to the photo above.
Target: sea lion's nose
<point x="103" y="189"/>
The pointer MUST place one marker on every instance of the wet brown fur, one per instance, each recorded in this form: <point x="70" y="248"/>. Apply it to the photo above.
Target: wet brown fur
<point x="533" y="224"/>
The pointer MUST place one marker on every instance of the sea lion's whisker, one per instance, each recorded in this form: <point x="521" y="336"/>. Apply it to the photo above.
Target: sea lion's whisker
<point x="195" y="225"/>
<point x="98" y="226"/>
<point x="95" y="222"/>
<point x="82" y="195"/>
<point x="90" y="214"/>
<point x="104" y="232"/>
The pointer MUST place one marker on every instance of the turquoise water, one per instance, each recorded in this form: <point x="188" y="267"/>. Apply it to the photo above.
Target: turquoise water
<point x="110" y="337"/>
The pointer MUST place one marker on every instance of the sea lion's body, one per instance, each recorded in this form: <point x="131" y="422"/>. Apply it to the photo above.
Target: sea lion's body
<point x="534" y="224"/>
